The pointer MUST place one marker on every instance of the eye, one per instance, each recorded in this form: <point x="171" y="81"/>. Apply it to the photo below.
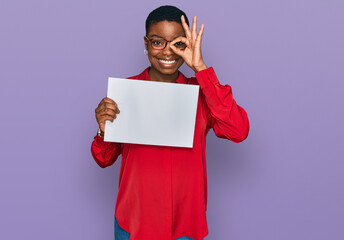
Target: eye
<point x="180" y="45"/>
<point x="157" y="42"/>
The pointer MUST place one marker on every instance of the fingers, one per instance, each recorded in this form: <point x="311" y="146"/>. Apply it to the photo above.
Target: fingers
<point x="106" y="110"/>
<point x="200" y="34"/>
<point x="194" y="28"/>
<point x="108" y="103"/>
<point x="180" y="39"/>
<point x="186" y="27"/>
<point x="178" y="51"/>
<point x="105" y="106"/>
<point x="102" y="118"/>
<point x="106" y="99"/>
<point x="192" y="34"/>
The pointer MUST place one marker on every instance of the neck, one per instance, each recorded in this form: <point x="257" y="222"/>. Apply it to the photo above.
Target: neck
<point x="154" y="75"/>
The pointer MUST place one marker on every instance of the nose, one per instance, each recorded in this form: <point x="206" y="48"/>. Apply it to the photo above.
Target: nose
<point x="167" y="50"/>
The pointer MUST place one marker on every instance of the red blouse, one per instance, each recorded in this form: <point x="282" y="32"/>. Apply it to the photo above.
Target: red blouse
<point x="162" y="191"/>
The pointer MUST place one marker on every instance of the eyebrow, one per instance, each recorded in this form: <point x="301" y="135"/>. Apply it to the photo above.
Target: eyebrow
<point x="154" y="35"/>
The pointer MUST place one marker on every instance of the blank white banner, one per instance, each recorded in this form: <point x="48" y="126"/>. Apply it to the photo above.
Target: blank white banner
<point x="152" y="113"/>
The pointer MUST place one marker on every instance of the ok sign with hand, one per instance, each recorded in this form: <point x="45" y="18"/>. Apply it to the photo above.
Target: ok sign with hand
<point x="192" y="54"/>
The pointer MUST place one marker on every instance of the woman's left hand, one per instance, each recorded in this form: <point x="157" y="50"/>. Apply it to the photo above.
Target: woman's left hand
<point x="192" y="54"/>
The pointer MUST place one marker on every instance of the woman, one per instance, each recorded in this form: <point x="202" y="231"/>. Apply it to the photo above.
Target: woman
<point x="162" y="191"/>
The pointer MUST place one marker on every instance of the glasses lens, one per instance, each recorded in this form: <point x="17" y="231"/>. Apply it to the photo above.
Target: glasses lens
<point x="180" y="45"/>
<point x="158" y="43"/>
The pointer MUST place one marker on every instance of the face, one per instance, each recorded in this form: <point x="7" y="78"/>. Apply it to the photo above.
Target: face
<point x="158" y="58"/>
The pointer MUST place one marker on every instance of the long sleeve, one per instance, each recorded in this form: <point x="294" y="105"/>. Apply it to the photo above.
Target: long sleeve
<point x="105" y="153"/>
<point x="228" y="119"/>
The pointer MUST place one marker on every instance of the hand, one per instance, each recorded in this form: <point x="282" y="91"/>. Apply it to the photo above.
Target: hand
<point x="106" y="110"/>
<point x="192" y="54"/>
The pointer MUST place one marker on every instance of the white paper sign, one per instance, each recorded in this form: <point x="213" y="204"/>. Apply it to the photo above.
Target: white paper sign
<point x="152" y="113"/>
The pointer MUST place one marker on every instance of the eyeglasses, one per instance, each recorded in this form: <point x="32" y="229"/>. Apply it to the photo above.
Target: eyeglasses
<point x="161" y="43"/>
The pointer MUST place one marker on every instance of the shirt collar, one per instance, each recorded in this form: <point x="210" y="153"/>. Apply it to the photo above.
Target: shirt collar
<point x="145" y="76"/>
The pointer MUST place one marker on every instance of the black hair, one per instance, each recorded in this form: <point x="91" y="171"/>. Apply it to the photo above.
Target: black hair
<point x="168" y="13"/>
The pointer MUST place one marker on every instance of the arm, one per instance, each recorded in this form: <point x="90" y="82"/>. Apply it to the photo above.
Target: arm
<point x="228" y="119"/>
<point x="105" y="153"/>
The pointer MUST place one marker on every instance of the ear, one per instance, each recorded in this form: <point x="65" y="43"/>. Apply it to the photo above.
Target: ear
<point x="146" y="43"/>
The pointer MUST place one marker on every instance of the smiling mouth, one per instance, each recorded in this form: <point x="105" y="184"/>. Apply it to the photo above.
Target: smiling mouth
<point x="167" y="61"/>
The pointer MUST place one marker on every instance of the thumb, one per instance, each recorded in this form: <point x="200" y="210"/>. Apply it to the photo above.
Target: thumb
<point x="177" y="51"/>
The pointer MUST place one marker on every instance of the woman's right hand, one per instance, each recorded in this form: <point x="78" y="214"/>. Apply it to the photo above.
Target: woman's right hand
<point x="106" y="110"/>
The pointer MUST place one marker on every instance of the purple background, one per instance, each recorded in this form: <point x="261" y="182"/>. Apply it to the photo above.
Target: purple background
<point x="284" y="61"/>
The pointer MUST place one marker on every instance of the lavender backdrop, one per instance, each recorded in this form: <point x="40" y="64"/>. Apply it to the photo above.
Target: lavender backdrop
<point x="284" y="61"/>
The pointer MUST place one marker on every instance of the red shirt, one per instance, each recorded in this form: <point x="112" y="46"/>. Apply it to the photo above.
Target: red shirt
<point x="162" y="191"/>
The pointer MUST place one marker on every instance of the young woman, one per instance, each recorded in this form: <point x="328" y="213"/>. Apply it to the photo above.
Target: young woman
<point x="162" y="191"/>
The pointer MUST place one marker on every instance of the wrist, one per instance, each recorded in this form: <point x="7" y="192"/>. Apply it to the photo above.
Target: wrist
<point x="100" y="133"/>
<point x="200" y="68"/>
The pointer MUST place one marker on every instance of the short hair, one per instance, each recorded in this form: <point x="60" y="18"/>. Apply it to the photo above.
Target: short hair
<point x="162" y="13"/>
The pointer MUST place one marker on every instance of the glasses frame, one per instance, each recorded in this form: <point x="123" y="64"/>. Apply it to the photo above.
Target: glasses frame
<point x="151" y="39"/>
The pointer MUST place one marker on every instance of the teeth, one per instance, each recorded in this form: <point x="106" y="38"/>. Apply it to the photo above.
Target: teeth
<point x="167" y="62"/>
